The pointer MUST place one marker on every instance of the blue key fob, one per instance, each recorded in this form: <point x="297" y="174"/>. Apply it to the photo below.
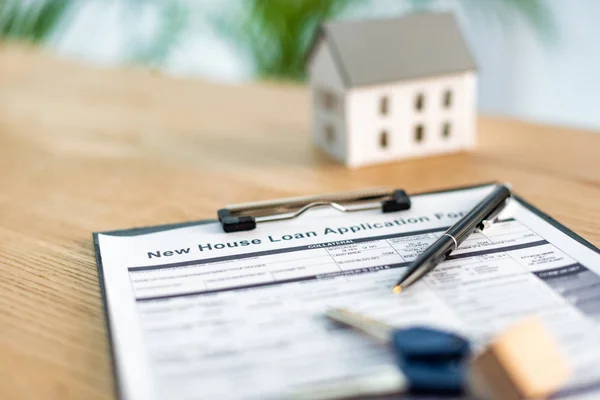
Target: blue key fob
<point x="432" y="360"/>
<point x="429" y="345"/>
<point x="446" y="379"/>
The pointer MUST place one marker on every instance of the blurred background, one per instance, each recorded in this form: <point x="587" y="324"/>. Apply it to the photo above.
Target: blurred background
<point x="538" y="60"/>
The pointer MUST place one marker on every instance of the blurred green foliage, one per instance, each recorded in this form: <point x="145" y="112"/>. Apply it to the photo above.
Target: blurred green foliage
<point x="278" y="33"/>
<point x="275" y="35"/>
<point x="33" y="20"/>
<point x="171" y="27"/>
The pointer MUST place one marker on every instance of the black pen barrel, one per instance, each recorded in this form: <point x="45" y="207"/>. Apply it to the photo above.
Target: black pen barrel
<point x="454" y="236"/>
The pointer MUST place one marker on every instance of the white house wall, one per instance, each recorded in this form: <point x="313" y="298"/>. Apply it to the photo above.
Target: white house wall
<point x="366" y="123"/>
<point x="324" y="75"/>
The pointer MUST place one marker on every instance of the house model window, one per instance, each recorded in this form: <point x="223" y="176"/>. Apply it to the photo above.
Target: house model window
<point x="328" y="100"/>
<point x="397" y="99"/>
<point x="419" y="102"/>
<point x="446" y="130"/>
<point x="383" y="140"/>
<point x="383" y="105"/>
<point x="330" y="134"/>
<point x="447" y="98"/>
<point x="419" y="133"/>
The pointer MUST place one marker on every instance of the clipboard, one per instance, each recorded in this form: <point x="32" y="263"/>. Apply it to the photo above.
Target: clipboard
<point x="245" y="217"/>
<point x="247" y="209"/>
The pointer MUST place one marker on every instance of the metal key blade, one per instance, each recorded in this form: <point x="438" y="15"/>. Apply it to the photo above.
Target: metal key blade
<point x="373" y="328"/>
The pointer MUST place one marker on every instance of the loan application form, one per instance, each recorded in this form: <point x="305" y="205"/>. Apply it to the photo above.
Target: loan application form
<point x="196" y="313"/>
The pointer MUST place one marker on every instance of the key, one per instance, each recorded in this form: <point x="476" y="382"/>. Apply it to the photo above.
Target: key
<point x="411" y="344"/>
<point x="432" y="360"/>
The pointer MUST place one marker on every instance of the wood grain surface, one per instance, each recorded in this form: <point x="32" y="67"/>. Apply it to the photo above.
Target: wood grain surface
<point x="85" y="149"/>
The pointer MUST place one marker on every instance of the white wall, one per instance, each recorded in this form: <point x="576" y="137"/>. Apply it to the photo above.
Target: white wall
<point x="520" y="76"/>
<point x="523" y="76"/>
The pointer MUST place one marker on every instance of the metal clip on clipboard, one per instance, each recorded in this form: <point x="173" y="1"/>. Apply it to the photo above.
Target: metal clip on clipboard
<point x="244" y="217"/>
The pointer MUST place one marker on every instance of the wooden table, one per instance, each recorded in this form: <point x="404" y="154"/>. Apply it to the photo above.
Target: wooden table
<point x="84" y="150"/>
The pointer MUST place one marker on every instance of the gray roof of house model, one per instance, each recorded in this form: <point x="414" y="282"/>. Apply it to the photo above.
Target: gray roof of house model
<point x="386" y="50"/>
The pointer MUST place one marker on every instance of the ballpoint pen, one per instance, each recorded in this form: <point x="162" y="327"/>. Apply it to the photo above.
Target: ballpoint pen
<point x="479" y="217"/>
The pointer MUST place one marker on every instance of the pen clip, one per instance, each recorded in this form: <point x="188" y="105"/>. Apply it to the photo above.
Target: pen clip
<point x="491" y="218"/>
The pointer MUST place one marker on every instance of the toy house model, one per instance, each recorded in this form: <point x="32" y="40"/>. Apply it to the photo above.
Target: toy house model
<point x="390" y="89"/>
